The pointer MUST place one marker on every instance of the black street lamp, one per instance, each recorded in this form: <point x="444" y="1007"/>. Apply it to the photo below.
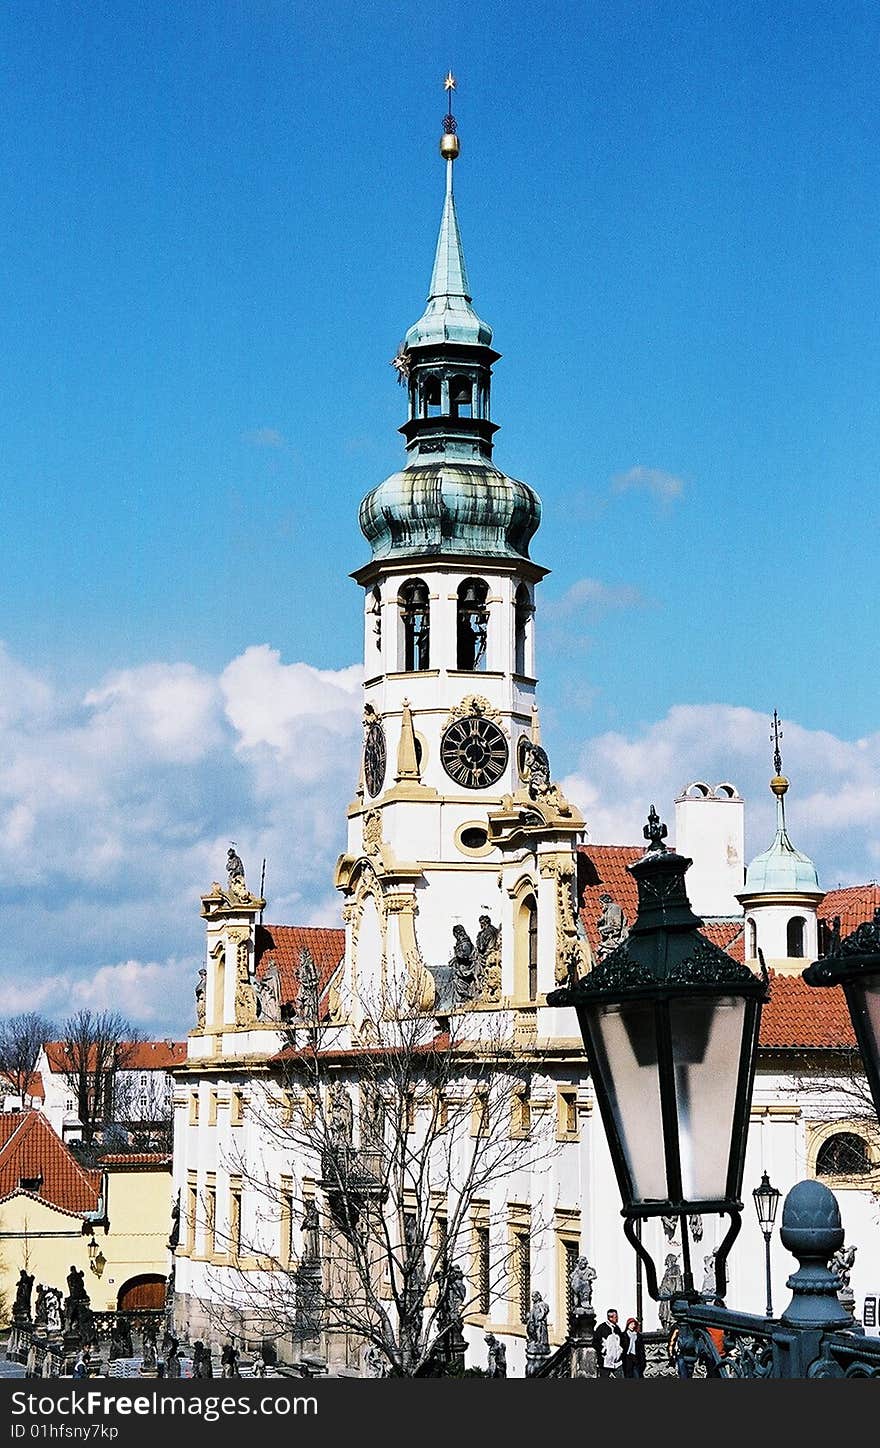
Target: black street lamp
<point x="670" y="1026"/>
<point x="766" y="1204"/>
<point x="854" y="963"/>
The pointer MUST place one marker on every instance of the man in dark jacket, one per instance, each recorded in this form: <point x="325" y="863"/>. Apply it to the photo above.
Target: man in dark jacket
<point x="609" y="1340"/>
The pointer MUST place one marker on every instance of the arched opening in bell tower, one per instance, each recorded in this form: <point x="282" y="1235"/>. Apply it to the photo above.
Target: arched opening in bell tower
<point x="523" y="614"/>
<point x="415" y="626"/>
<point x="472" y="624"/>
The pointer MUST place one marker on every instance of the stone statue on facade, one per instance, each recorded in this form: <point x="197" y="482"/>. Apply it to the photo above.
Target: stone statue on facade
<point x="21" y="1308"/>
<point x="174" y="1234"/>
<point x="77" y="1314"/>
<point x="581" y="1283"/>
<point x="341" y="1114"/>
<point x="695" y="1222"/>
<point x="310" y="1227"/>
<point x="201" y="987"/>
<point x="452" y="1293"/>
<point x="41" y="1306"/>
<point x="236" y="889"/>
<point x="375" y="1362"/>
<point x="464" y="974"/>
<point x="53" y="1309"/>
<point x="121" y="1345"/>
<point x="307" y="988"/>
<point x="269" y="996"/>
<point x="497" y="1367"/>
<point x="537" y="1337"/>
<point x="536" y="769"/>
<point x="611" y="925"/>
<point x="487" y="958"/>
<point x="671" y="1285"/>
<point x="842" y="1264"/>
<point x="709" y="1286"/>
<point x="172" y="1359"/>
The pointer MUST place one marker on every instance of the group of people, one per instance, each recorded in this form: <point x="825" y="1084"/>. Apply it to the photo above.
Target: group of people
<point x="620" y="1351"/>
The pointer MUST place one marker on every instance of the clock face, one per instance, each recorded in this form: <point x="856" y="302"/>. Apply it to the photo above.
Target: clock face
<point x="374" y="758"/>
<point x="474" y="752"/>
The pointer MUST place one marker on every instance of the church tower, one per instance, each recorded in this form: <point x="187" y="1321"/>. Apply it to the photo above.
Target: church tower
<point x="457" y="830"/>
<point x="781" y="894"/>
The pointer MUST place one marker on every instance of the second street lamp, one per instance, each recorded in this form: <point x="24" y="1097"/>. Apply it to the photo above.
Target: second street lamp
<point x="670" y="1028"/>
<point x="766" y="1203"/>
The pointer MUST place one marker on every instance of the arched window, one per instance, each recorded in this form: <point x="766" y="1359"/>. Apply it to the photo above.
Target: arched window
<point x="415" y="625"/>
<point x="794" y="936"/>
<point x="473" y="624"/>
<point x="753" y="940"/>
<point x="526" y="949"/>
<point x="374" y="609"/>
<point x="431" y="397"/>
<point x="844" y="1154"/>
<point x="523" y="610"/>
<point x="461" y="397"/>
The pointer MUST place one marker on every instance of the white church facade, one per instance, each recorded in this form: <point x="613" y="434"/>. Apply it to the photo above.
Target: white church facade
<point x="468" y="893"/>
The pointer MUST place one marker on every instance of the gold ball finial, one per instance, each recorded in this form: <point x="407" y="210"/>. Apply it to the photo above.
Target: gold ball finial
<point x="449" y="146"/>
<point x="779" y="785"/>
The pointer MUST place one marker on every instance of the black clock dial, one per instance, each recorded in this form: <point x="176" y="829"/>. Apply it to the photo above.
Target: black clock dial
<point x="374" y="758"/>
<point x="474" y="752"/>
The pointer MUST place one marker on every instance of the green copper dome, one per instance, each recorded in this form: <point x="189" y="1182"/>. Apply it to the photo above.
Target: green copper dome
<point x="451" y="508"/>
<point x="781" y="869"/>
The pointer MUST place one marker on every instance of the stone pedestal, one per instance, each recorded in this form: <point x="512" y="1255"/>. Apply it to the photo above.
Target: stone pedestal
<point x="583" y="1354"/>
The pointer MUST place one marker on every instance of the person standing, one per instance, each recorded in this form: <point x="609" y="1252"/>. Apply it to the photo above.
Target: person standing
<point x="610" y="1342"/>
<point x="634" y="1356"/>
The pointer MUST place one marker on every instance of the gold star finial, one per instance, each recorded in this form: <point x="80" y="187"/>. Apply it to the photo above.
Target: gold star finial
<point x="449" y="83"/>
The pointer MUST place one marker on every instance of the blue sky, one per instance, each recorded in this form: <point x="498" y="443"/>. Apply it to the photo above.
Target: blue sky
<point x="219" y="221"/>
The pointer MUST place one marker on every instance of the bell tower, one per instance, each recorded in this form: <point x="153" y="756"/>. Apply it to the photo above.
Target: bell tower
<point x="452" y="755"/>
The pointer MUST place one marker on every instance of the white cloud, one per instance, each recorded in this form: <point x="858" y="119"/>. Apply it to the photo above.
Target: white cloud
<point x="832" y="808"/>
<point x="665" y="487"/>
<point x="264" y="437"/>
<point x="592" y="596"/>
<point x="117" y="808"/>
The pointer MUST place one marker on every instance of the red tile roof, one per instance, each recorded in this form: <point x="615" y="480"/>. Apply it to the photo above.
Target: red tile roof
<point x="797" y="1016"/>
<point x="153" y="1055"/>
<point x="800" y="1015"/>
<point x="29" y="1148"/>
<point x="130" y="1056"/>
<point x="158" y="1159"/>
<point x="603" y="869"/>
<point x="282" y="944"/>
<point x="854" y="904"/>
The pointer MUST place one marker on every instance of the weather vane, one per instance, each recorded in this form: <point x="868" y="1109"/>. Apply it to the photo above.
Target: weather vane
<point x="449" y="85"/>
<point x="774" y="740"/>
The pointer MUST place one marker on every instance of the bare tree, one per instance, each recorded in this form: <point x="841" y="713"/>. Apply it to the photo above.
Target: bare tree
<point x="410" y="1139"/>
<point x="21" y="1040"/>
<point x="95" y="1045"/>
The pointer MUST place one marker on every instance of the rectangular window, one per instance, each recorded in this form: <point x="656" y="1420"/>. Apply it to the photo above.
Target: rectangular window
<point x="567" y="1117"/>
<point x="191" y="1208"/>
<point x="235" y="1221"/>
<point x="210" y="1220"/>
<point x="212" y="1108"/>
<point x="480" y="1113"/>
<point x="236" y="1108"/>
<point x="286" y="1252"/>
<point x="521" y="1111"/>
<point x="193" y="1108"/>
<point x="484" y="1264"/>
<point x="523" y="1274"/>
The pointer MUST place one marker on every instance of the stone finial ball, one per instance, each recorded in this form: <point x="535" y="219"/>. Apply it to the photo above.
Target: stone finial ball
<point x="811" y="1223"/>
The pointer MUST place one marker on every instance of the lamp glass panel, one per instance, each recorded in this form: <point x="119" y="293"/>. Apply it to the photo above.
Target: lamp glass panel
<point x="706" y="1047"/>
<point x="625" y="1051"/>
<point x="872" y="1011"/>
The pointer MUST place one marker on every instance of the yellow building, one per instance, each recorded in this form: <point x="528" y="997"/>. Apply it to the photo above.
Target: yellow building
<point x="111" y="1220"/>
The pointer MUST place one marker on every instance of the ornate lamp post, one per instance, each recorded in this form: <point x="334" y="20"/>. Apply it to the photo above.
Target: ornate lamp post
<point x="766" y="1205"/>
<point x="670" y="1026"/>
<point x="854" y="963"/>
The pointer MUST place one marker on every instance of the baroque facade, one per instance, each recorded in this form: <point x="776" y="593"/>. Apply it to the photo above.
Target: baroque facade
<point x="468" y="893"/>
